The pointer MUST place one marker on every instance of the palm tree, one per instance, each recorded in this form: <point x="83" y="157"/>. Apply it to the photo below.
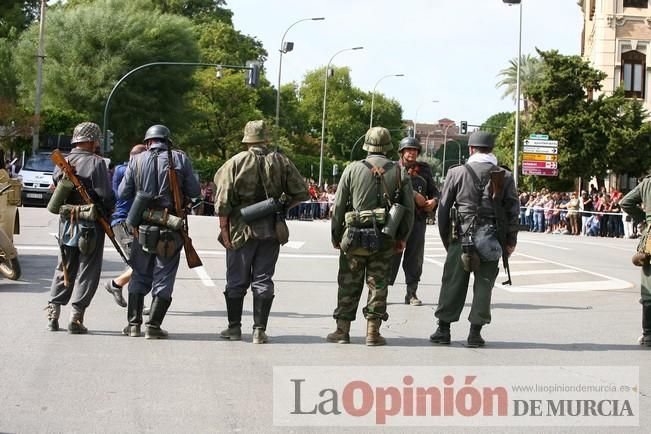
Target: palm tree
<point x="531" y="70"/>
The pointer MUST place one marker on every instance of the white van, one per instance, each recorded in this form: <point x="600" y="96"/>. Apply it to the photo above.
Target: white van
<point x="36" y="176"/>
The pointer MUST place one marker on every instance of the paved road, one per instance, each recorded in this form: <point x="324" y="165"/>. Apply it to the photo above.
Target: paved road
<point x="574" y="302"/>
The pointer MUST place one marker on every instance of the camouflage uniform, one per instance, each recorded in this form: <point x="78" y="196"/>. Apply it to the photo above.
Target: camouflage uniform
<point x="634" y="204"/>
<point x="360" y="190"/>
<point x="461" y="192"/>
<point x="83" y="269"/>
<point x="247" y="178"/>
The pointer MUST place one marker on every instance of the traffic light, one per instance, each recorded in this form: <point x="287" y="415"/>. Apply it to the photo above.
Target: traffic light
<point x="464" y="128"/>
<point x="252" y="73"/>
<point x="109" y="141"/>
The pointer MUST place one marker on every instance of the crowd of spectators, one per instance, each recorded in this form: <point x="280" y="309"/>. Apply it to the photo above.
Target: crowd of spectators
<point x="319" y="206"/>
<point x="594" y="213"/>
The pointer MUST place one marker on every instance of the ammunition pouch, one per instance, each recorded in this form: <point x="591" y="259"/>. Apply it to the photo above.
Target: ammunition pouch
<point x="260" y="210"/>
<point x="486" y="243"/>
<point x="140" y="204"/>
<point x="148" y="236"/>
<point x="169" y="243"/>
<point x="396" y="214"/>
<point x="79" y="212"/>
<point x="60" y="195"/>
<point x="263" y="228"/>
<point x="162" y="218"/>
<point x="360" y="241"/>
<point x="361" y="219"/>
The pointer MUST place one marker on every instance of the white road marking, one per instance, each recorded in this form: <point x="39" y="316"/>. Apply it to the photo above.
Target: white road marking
<point x="434" y="248"/>
<point x="550" y="245"/>
<point x="294" y="244"/>
<point x="526" y="262"/>
<point x="203" y="275"/>
<point x="532" y="272"/>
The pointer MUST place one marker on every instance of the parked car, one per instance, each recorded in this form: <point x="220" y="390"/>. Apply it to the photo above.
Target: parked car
<point x="36" y="177"/>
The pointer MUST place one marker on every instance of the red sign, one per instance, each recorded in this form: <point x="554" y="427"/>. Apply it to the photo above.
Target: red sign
<point x="539" y="164"/>
<point x="539" y="171"/>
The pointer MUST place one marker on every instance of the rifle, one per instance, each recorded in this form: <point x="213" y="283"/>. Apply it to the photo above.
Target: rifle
<point x="191" y="254"/>
<point x="58" y="159"/>
<point x="497" y="184"/>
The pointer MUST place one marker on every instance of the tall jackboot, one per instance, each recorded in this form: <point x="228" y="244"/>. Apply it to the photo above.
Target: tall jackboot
<point x="76" y="325"/>
<point x="159" y="308"/>
<point x="261" y="310"/>
<point x="646" y="325"/>
<point x="342" y="334"/>
<point x="474" y="338"/>
<point x="53" y="312"/>
<point x="442" y="334"/>
<point x="134" y="315"/>
<point x="234" y="307"/>
<point x="373" y="336"/>
<point x="411" y="298"/>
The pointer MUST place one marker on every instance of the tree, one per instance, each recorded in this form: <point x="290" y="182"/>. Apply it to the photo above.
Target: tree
<point x="531" y="70"/>
<point x="110" y="38"/>
<point x="16" y="16"/>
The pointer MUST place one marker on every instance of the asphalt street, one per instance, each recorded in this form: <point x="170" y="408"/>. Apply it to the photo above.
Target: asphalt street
<point x="574" y="302"/>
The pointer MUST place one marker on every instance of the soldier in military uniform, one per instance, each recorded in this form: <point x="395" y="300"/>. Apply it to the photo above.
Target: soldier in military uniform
<point x="155" y="270"/>
<point x="81" y="240"/>
<point x="637" y="204"/>
<point x="425" y="194"/>
<point x="469" y="189"/>
<point x="248" y="178"/>
<point x="370" y="186"/>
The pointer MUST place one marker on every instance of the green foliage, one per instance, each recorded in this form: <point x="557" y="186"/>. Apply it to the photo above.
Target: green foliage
<point x="531" y="70"/>
<point x="92" y="45"/>
<point x="207" y="167"/>
<point x="16" y="16"/>
<point x="56" y="121"/>
<point x="8" y="79"/>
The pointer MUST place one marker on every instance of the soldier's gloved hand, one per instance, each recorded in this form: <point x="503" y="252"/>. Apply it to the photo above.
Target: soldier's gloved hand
<point x="400" y="245"/>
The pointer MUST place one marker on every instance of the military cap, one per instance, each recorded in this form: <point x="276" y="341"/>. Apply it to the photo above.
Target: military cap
<point x="255" y="132"/>
<point x="481" y="139"/>
<point x="377" y="139"/>
<point x="86" y="132"/>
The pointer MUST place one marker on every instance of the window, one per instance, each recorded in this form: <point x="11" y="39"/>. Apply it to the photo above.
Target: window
<point x="633" y="73"/>
<point x="636" y="3"/>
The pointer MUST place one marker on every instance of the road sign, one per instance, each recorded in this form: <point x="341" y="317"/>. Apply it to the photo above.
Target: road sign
<point x="550" y="143"/>
<point x="539" y="136"/>
<point x="540" y="150"/>
<point x="540" y="164"/>
<point x="539" y="157"/>
<point x="540" y="172"/>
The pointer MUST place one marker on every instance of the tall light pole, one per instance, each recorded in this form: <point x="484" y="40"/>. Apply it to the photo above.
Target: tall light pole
<point x="286" y="48"/>
<point x="323" y="118"/>
<point x="370" y="125"/>
<point x="517" y="91"/>
<point x="418" y="109"/>
<point x="39" y="78"/>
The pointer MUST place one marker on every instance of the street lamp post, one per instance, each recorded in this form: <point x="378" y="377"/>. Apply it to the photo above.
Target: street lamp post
<point x="323" y="118"/>
<point x="517" y="91"/>
<point x="373" y="97"/>
<point x="286" y="48"/>
<point x="418" y="109"/>
<point x="251" y="66"/>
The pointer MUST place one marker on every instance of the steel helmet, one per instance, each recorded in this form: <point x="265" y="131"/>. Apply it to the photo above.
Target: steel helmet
<point x="409" y="143"/>
<point x="377" y="139"/>
<point x="481" y="139"/>
<point x="86" y="132"/>
<point x="158" y="132"/>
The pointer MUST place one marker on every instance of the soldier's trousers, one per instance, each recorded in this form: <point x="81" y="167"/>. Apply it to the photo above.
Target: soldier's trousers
<point x="353" y="270"/>
<point x="254" y="265"/>
<point x="454" y="288"/>
<point x="83" y="275"/>
<point x="645" y="284"/>
<point x="412" y="258"/>
<point x="152" y="272"/>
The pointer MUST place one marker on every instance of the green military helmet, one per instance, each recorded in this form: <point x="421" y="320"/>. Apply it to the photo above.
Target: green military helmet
<point x="86" y="132"/>
<point x="481" y="139"/>
<point x="377" y="139"/>
<point x="255" y="132"/>
<point x="409" y="143"/>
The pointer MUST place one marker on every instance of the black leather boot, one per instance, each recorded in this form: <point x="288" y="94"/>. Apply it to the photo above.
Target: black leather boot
<point x="134" y="315"/>
<point x="159" y="308"/>
<point x="442" y="334"/>
<point x="474" y="338"/>
<point x="234" y="307"/>
<point x="261" y="310"/>
<point x="646" y="325"/>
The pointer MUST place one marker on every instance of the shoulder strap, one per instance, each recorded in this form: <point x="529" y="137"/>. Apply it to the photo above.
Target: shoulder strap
<point x="479" y="184"/>
<point x="263" y="179"/>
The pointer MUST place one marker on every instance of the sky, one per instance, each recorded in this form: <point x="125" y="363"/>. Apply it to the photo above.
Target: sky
<point x="449" y="50"/>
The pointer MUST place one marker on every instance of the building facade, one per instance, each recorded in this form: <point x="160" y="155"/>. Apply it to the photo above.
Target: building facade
<point x="616" y="40"/>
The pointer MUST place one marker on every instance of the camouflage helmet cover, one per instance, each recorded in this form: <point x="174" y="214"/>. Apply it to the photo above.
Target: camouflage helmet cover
<point x="481" y="139"/>
<point x="377" y="139"/>
<point x="409" y="143"/>
<point x="86" y="132"/>
<point x="255" y="132"/>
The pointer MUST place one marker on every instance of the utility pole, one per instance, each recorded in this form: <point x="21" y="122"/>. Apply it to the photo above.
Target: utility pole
<point x="39" y="79"/>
